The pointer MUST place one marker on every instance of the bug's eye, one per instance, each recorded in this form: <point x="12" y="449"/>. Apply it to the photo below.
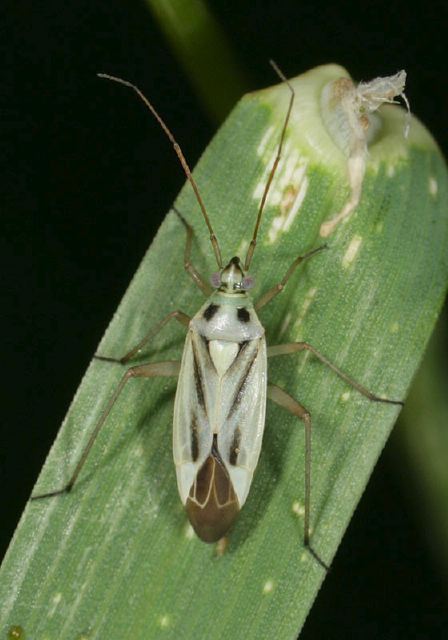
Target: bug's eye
<point x="248" y="282"/>
<point x="215" y="279"/>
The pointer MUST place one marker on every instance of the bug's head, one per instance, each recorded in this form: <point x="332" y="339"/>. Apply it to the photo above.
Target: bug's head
<point x="232" y="279"/>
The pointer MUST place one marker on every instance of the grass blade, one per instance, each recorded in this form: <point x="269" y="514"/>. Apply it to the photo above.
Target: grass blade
<point x="115" y="558"/>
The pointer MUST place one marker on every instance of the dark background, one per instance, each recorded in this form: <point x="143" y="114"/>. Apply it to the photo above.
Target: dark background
<point x="87" y="178"/>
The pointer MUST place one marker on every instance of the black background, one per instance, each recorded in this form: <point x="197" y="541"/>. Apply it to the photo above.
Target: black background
<point x="87" y="178"/>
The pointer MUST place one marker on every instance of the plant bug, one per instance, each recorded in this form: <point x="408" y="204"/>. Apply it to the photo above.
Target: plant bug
<point x="220" y="403"/>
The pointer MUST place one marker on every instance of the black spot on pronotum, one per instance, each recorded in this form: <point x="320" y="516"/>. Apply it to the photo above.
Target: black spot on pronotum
<point x="243" y="314"/>
<point x="210" y="311"/>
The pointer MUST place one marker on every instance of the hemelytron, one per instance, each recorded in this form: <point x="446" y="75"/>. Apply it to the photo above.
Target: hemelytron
<point x="220" y="403"/>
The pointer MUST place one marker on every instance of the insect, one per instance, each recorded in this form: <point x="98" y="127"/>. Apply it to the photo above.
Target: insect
<point x="220" y="403"/>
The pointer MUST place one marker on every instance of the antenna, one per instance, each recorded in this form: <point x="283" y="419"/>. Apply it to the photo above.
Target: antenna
<point x="180" y="155"/>
<point x="253" y="242"/>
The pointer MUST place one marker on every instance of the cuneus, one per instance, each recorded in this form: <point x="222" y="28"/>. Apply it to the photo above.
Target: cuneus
<point x="220" y="404"/>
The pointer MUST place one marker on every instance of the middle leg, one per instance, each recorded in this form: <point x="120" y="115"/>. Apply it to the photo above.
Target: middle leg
<point x="180" y="316"/>
<point x="278" y="288"/>
<point x="294" y="347"/>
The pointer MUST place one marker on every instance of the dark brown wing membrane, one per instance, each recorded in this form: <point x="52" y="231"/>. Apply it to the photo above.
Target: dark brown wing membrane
<point x="212" y="505"/>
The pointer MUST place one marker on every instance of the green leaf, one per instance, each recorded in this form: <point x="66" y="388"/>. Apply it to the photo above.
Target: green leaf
<point x="115" y="558"/>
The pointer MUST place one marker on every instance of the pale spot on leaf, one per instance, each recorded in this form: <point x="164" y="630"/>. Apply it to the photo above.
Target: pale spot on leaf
<point x="433" y="186"/>
<point x="139" y="451"/>
<point x="289" y="201"/>
<point x="164" y="622"/>
<point x="352" y="251"/>
<point x="289" y="183"/>
<point x="298" y="508"/>
<point x="285" y="324"/>
<point x="54" y="603"/>
<point x="264" y="141"/>
<point x="394" y="327"/>
<point x="268" y="586"/>
<point x="305" y="306"/>
<point x="390" y="170"/>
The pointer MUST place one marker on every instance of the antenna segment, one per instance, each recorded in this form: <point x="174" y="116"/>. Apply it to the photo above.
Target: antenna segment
<point x="180" y="155"/>
<point x="253" y="242"/>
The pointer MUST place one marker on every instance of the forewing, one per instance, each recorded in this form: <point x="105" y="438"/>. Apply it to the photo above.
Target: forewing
<point x="243" y="407"/>
<point x="192" y="433"/>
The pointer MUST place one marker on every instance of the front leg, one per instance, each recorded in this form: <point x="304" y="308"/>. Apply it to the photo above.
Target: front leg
<point x="188" y="266"/>
<point x="269" y="295"/>
<point x="180" y="316"/>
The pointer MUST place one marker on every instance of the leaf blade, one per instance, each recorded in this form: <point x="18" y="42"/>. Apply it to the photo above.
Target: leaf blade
<point x="115" y="558"/>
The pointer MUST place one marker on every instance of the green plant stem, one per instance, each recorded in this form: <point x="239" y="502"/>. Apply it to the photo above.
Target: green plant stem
<point x="204" y="52"/>
<point x="422" y="444"/>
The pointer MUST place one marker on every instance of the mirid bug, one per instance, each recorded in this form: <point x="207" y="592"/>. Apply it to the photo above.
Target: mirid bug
<point x="220" y="403"/>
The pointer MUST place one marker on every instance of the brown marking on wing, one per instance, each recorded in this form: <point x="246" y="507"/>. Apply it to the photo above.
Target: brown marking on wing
<point x="239" y="392"/>
<point x="197" y="378"/>
<point x="194" y="439"/>
<point x="212" y="505"/>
